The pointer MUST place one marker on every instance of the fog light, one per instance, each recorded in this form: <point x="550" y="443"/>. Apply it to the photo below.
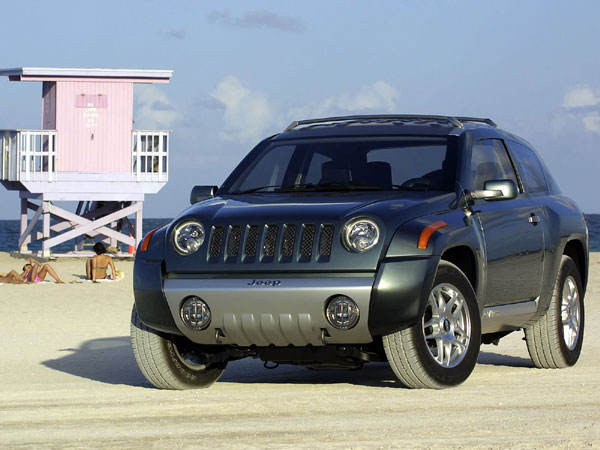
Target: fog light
<point x="195" y="313"/>
<point x="342" y="312"/>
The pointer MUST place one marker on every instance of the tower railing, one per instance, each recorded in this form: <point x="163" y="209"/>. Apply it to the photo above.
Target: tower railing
<point x="28" y="155"/>
<point x="150" y="155"/>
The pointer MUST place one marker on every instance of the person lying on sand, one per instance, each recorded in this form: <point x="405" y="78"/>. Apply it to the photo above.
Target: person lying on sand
<point x="34" y="272"/>
<point x="12" y="277"/>
<point x="96" y="268"/>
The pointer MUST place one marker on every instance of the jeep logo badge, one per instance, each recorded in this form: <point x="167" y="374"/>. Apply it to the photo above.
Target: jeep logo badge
<point x="265" y="283"/>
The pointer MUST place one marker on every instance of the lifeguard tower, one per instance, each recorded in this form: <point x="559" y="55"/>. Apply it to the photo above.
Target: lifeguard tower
<point x="88" y="152"/>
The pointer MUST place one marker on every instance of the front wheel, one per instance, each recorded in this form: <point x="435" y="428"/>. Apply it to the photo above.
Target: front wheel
<point x="555" y="340"/>
<point x="171" y="362"/>
<point x="441" y="349"/>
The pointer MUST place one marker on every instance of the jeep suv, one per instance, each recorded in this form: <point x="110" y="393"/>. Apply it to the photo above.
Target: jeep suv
<point x="345" y="240"/>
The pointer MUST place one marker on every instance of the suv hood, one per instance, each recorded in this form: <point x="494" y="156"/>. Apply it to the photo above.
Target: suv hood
<point x="316" y="211"/>
<point x="319" y="206"/>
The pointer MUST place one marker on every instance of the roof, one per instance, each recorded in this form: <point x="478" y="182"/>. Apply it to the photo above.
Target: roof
<point x="387" y="124"/>
<point x="417" y="119"/>
<point x="52" y="74"/>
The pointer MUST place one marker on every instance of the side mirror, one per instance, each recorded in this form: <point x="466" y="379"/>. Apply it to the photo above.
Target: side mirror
<point x="496" y="190"/>
<point x="200" y="193"/>
<point x="507" y="187"/>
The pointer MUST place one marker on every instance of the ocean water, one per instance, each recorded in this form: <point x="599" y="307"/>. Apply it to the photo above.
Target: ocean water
<point x="594" y="229"/>
<point x="10" y="230"/>
<point x="9" y="234"/>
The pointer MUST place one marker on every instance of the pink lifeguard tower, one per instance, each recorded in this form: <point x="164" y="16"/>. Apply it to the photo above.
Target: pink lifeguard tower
<point x="87" y="151"/>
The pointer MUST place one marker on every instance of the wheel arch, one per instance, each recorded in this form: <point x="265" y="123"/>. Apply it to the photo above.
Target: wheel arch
<point x="463" y="257"/>
<point x="575" y="250"/>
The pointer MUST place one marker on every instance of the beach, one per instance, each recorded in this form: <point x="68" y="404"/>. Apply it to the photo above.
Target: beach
<point x="68" y="379"/>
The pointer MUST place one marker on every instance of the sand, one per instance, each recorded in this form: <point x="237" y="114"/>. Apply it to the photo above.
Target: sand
<point x="68" y="379"/>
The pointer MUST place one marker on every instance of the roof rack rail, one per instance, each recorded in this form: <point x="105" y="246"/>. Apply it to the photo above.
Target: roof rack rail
<point x="453" y="120"/>
<point x="478" y="119"/>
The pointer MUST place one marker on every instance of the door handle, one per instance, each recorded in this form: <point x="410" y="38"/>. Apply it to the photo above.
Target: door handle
<point x="534" y="219"/>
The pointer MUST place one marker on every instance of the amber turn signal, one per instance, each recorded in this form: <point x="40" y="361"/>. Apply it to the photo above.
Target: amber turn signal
<point x="147" y="238"/>
<point x="428" y="232"/>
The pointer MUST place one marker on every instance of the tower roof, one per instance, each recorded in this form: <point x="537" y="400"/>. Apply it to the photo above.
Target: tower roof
<point x="56" y="74"/>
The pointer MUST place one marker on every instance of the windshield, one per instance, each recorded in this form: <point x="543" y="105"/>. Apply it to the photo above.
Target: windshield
<point x="417" y="163"/>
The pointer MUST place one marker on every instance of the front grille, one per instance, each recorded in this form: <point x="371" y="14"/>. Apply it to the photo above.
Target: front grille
<point x="270" y="240"/>
<point x="308" y="237"/>
<point x="233" y="242"/>
<point x="289" y="238"/>
<point x="215" y="241"/>
<point x="325" y="240"/>
<point x="270" y="243"/>
<point x="251" y="240"/>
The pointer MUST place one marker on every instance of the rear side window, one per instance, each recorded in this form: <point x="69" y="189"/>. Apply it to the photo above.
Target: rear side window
<point x="490" y="161"/>
<point x="530" y="168"/>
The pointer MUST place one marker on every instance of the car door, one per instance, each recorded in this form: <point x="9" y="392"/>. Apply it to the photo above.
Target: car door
<point x="514" y="241"/>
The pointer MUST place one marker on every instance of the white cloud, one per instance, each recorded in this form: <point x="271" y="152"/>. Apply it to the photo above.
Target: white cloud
<point x="378" y="97"/>
<point x="247" y="113"/>
<point x="592" y="122"/>
<point x="581" y="105"/>
<point x="153" y="108"/>
<point x="580" y="96"/>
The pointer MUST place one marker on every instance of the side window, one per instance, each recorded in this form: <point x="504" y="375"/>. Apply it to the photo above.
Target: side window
<point x="530" y="168"/>
<point x="490" y="161"/>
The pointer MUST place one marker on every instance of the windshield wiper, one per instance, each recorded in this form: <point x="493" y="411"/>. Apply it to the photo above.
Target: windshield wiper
<point x="311" y="187"/>
<point x="256" y="189"/>
<point x="419" y="188"/>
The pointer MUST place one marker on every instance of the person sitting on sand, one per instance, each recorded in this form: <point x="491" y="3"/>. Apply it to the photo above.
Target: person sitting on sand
<point x="34" y="272"/>
<point x="12" y="277"/>
<point x="96" y="268"/>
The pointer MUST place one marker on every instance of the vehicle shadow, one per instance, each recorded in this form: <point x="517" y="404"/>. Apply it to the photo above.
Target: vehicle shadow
<point x="107" y="360"/>
<point x="496" y="359"/>
<point x="249" y="371"/>
<point x="111" y="361"/>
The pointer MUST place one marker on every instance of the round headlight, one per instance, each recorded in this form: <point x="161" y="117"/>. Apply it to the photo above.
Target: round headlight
<point x="360" y="235"/>
<point x="188" y="237"/>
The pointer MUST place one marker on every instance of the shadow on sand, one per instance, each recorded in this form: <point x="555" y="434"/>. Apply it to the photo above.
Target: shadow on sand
<point x="108" y="360"/>
<point x="496" y="359"/>
<point x="111" y="361"/>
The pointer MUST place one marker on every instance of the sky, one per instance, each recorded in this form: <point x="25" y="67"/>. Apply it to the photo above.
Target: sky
<point x="244" y="70"/>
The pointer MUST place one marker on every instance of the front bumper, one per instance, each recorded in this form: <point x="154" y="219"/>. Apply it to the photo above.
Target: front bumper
<point x="291" y="312"/>
<point x="288" y="313"/>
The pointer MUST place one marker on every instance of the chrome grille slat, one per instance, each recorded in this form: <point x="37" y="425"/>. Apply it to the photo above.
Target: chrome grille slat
<point x="233" y="241"/>
<point x="270" y="240"/>
<point x="289" y="239"/>
<point x="307" y="239"/>
<point x="251" y="240"/>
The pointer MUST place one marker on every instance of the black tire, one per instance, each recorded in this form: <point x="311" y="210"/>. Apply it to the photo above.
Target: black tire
<point x="159" y="357"/>
<point x="546" y="339"/>
<point x="411" y="355"/>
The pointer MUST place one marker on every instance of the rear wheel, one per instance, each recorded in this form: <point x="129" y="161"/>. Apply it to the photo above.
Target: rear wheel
<point x="555" y="340"/>
<point x="169" y="361"/>
<point x="441" y="349"/>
